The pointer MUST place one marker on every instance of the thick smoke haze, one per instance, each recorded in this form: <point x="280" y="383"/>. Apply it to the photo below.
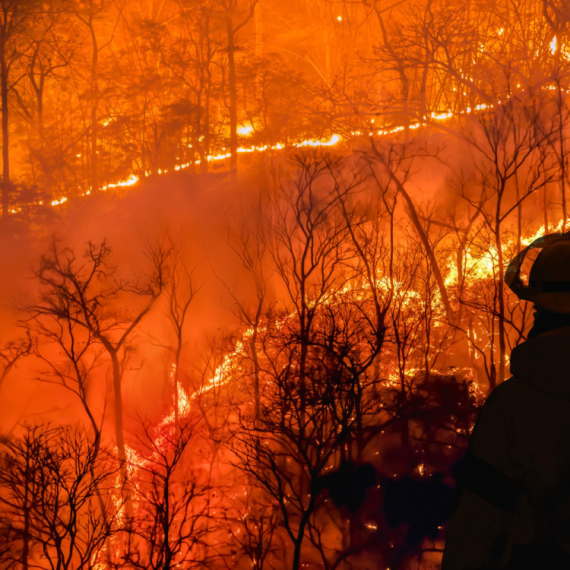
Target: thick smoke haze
<point x="187" y="210"/>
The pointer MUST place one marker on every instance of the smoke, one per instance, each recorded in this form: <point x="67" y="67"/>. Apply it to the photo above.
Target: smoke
<point x="188" y="211"/>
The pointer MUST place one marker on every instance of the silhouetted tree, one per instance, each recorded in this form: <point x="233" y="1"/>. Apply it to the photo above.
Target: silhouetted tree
<point x="169" y="521"/>
<point x="48" y="485"/>
<point x="79" y="294"/>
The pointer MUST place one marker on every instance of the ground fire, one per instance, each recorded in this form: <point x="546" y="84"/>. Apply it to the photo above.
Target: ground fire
<point x="253" y="270"/>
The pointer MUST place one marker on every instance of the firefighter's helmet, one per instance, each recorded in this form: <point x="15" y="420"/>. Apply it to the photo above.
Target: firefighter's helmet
<point x="549" y="279"/>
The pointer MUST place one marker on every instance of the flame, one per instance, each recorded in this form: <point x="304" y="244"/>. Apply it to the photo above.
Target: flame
<point x="245" y="130"/>
<point x="130" y="181"/>
<point x="543" y="231"/>
<point x="441" y="116"/>
<point x="554" y="45"/>
<point x="220" y="376"/>
<point x="332" y="141"/>
<point x="479" y="266"/>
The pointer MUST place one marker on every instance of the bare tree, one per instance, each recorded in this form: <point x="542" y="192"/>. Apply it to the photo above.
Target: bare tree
<point x="16" y="19"/>
<point x="509" y="168"/>
<point x="252" y="524"/>
<point x="74" y="368"/>
<point x="179" y="293"/>
<point x="78" y="293"/>
<point x="88" y="13"/>
<point x="171" y="505"/>
<point x="321" y="403"/>
<point x="11" y="353"/>
<point x="48" y="486"/>
<point x="235" y="17"/>
<point x="307" y="242"/>
<point x="192" y="56"/>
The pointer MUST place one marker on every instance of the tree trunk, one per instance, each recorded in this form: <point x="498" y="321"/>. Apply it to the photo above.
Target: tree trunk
<point x="207" y="102"/>
<point x="5" y="133"/>
<point x="258" y="31"/>
<point x="501" y="295"/>
<point x="94" y="111"/>
<point x="94" y="151"/>
<point x="233" y="94"/>
<point x="176" y="377"/>
<point x="545" y="209"/>
<point x="119" y="428"/>
<point x="41" y="122"/>
<point x="301" y="532"/>
<point x="206" y="146"/>
<point x="297" y="555"/>
<point x="26" y="531"/>
<point x="96" y="450"/>
<point x="258" y="20"/>
<point x="256" y="368"/>
<point x="562" y="156"/>
<point x="429" y="250"/>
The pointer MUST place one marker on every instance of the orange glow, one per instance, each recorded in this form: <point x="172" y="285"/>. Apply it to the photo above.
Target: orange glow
<point x="373" y="151"/>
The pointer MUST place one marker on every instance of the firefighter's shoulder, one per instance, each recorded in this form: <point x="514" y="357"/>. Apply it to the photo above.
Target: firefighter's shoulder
<point x="494" y="441"/>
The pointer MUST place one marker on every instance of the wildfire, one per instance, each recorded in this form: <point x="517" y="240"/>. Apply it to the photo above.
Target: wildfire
<point x="558" y="227"/>
<point x="245" y="130"/>
<point x="133" y="179"/>
<point x="183" y="401"/>
<point x="480" y="265"/>
<point x="371" y="526"/>
<point x="222" y="372"/>
<point x="555" y="47"/>
<point x="333" y="140"/>
<point x="418" y="304"/>
<point x="130" y="181"/>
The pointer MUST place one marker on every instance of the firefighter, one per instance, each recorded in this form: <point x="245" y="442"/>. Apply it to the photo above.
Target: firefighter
<point x="512" y="500"/>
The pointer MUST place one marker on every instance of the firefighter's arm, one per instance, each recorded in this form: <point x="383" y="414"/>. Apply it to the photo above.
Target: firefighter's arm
<point x="487" y="493"/>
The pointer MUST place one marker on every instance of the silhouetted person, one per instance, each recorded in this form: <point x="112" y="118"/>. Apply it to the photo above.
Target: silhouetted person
<point x="512" y="502"/>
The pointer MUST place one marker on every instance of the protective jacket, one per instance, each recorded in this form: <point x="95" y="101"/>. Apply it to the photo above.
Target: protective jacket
<point x="512" y="508"/>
